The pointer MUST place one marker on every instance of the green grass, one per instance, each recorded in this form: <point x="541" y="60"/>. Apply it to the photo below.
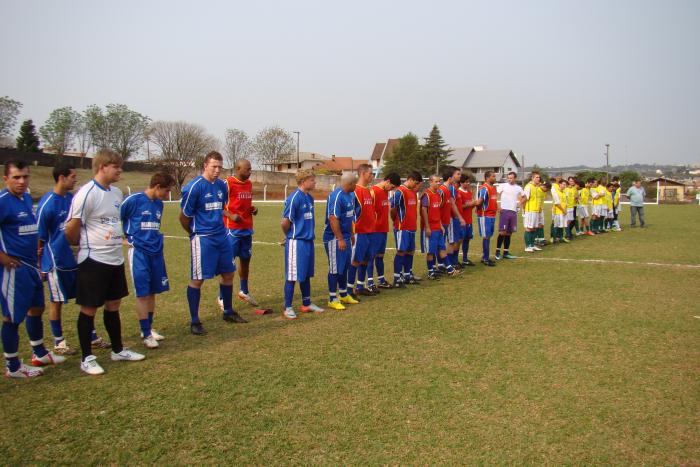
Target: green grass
<point x="533" y="361"/>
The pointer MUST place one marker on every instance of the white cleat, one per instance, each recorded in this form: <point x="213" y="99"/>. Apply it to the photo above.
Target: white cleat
<point x="220" y="301"/>
<point x="289" y="313"/>
<point x="49" y="359"/>
<point x="90" y="366"/>
<point x="150" y="342"/>
<point x="24" y="372"/>
<point x="536" y="248"/>
<point x="127" y="356"/>
<point x="246" y="297"/>
<point x="312" y="308"/>
<point x="529" y="250"/>
<point x="155" y="335"/>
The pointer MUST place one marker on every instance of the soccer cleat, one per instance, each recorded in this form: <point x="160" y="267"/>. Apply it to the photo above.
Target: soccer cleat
<point x="100" y="343"/>
<point x="529" y="249"/>
<point x="412" y="281"/>
<point x="127" y="355"/>
<point x="24" y="372"/>
<point x="536" y="248"/>
<point x="91" y="367"/>
<point x="220" y="301"/>
<point x="351" y="293"/>
<point x="400" y="284"/>
<point x="311" y="307"/>
<point x="197" y="329"/>
<point x="374" y="289"/>
<point x="468" y="263"/>
<point x="289" y="313"/>
<point x="336" y="305"/>
<point x="565" y="240"/>
<point x="348" y="300"/>
<point x="589" y="233"/>
<point x="156" y="335"/>
<point x="246" y="297"/>
<point x="385" y="285"/>
<point x="62" y="349"/>
<point x="433" y="277"/>
<point x="454" y="273"/>
<point x="416" y="278"/>
<point x="234" y="317"/>
<point x="498" y="255"/>
<point x="488" y="262"/>
<point x="49" y="359"/>
<point x="365" y="293"/>
<point x="509" y="256"/>
<point x="150" y="342"/>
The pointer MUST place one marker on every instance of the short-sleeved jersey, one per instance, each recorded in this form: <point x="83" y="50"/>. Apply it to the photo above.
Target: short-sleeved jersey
<point x="598" y="194"/>
<point x="616" y="196"/>
<point x="101" y="235"/>
<point x="381" y="209"/>
<point x="609" y="199"/>
<point x="51" y="215"/>
<point x="141" y="221"/>
<point x="465" y="196"/>
<point x="365" y="218"/>
<point x="239" y="201"/>
<point x="203" y="201"/>
<point x="510" y="195"/>
<point x="570" y="192"/>
<point x="19" y="236"/>
<point x="584" y="196"/>
<point x="299" y="209"/>
<point x="432" y="201"/>
<point x="533" y="200"/>
<point x="406" y="203"/>
<point x="542" y="194"/>
<point x="558" y="198"/>
<point x="341" y="205"/>
<point x="446" y="206"/>
<point x="489" y="204"/>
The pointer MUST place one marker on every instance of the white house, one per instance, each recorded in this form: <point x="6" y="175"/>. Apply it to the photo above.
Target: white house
<point x="380" y="152"/>
<point x="479" y="159"/>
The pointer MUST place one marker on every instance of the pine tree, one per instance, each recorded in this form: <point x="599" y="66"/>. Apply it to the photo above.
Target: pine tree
<point x="28" y="141"/>
<point x="405" y="156"/>
<point x="435" y="154"/>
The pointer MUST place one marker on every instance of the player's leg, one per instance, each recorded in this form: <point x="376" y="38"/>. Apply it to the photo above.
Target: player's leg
<point x="198" y="262"/>
<point x="143" y="307"/>
<point x="305" y="271"/>
<point x="290" y="276"/>
<point x="28" y="283"/>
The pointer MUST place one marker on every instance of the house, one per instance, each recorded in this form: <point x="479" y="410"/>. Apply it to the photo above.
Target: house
<point x="380" y="152"/>
<point x="668" y="189"/>
<point x="340" y="165"/>
<point x="307" y="160"/>
<point x="479" y="159"/>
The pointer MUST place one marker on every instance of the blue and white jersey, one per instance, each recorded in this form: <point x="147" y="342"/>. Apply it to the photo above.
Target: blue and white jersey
<point x="19" y="236"/>
<point x="51" y="216"/>
<point x="341" y="205"/>
<point x="141" y="222"/>
<point x="299" y="209"/>
<point x="453" y="193"/>
<point x="203" y="201"/>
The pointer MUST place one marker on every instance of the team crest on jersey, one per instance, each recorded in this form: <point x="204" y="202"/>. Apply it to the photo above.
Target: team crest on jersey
<point x="22" y="214"/>
<point x="208" y="195"/>
<point x="158" y="214"/>
<point x="146" y="213"/>
<point x="219" y="194"/>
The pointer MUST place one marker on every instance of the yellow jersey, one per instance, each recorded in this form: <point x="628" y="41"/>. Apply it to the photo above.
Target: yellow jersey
<point x="533" y="198"/>
<point x="570" y="192"/>
<point x="583" y="196"/>
<point x="609" y="199"/>
<point x="558" y="198"/>
<point x="598" y="195"/>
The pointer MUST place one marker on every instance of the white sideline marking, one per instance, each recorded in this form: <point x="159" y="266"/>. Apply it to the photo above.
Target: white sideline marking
<point x="570" y="260"/>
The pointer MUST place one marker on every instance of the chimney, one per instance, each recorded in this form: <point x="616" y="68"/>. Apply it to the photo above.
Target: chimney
<point x="333" y="157"/>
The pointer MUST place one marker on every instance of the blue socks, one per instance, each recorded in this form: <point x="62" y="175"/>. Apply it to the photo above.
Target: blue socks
<point x="35" y="330"/>
<point x="465" y="250"/>
<point x="379" y="265"/>
<point x="10" y="344"/>
<point x="193" y="296"/>
<point x="305" y="292"/>
<point x="399" y="262"/>
<point x="361" y="271"/>
<point x="150" y="317"/>
<point x="226" y="292"/>
<point x="352" y="272"/>
<point x="56" y="330"/>
<point x="486" y="243"/>
<point x="332" y="286"/>
<point x="370" y="272"/>
<point x="145" y="326"/>
<point x="288" y="293"/>
<point x="244" y="286"/>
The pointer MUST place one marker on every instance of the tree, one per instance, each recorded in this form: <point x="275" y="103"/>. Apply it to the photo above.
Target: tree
<point x="435" y="154"/>
<point x="181" y="147"/>
<point x="9" y="109"/>
<point x="117" y="127"/>
<point x="236" y="146"/>
<point x="82" y="136"/>
<point x="586" y="174"/>
<point x="28" y="141"/>
<point x="270" y="143"/>
<point x="405" y="157"/>
<point x="58" y="131"/>
<point x="627" y="178"/>
<point x="544" y="176"/>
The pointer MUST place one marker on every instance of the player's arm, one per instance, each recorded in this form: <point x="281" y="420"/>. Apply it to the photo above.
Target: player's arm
<point x="424" y="215"/>
<point x="43" y="223"/>
<point x="456" y="213"/>
<point x="335" y="227"/>
<point x="80" y="209"/>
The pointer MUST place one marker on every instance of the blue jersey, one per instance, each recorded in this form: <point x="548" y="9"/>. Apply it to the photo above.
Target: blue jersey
<point x="453" y="193"/>
<point x="341" y="205"/>
<point x="51" y="216"/>
<point x="19" y="236"/>
<point x="299" y="209"/>
<point x="203" y="201"/>
<point x="141" y="222"/>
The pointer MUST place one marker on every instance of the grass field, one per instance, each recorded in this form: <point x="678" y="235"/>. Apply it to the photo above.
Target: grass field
<point x="538" y="360"/>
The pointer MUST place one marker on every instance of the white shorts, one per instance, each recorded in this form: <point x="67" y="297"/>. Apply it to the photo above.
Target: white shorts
<point x="581" y="212"/>
<point x="540" y="219"/>
<point x="598" y="210"/>
<point x="603" y="211"/>
<point x="531" y="220"/>
<point x="570" y="214"/>
<point x="559" y="220"/>
<point x="610" y="215"/>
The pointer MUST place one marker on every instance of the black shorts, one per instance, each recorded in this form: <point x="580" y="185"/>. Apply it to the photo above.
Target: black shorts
<point x="99" y="282"/>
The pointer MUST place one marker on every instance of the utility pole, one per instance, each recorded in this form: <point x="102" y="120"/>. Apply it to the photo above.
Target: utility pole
<point x="297" y="133"/>
<point x="607" y="163"/>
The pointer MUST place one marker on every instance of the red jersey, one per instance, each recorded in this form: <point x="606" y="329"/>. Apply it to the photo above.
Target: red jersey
<point x="381" y="209"/>
<point x="446" y="207"/>
<point x="433" y="202"/>
<point x="364" y="212"/>
<point x="489" y="205"/>
<point x="240" y="201"/>
<point x="464" y="196"/>
<point x="406" y="209"/>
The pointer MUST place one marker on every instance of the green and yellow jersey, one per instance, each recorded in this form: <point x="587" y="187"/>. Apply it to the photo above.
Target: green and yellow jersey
<point x="534" y="197"/>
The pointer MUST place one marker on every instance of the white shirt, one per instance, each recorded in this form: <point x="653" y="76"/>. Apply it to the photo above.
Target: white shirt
<point x="509" y="195"/>
<point x="101" y="231"/>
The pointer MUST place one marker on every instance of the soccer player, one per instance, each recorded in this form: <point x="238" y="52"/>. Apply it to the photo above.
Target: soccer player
<point x="95" y="224"/>
<point x="201" y="216"/>
<point x="238" y="220"/>
<point x="486" y="214"/>
<point x="511" y="200"/>
<point x="466" y="204"/>
<point x="571" y="194"/>
<point x="340" y="212"/>
<point x="22" y="295"/>
<point x="558" y="211"/>
<point x="599" y="205"/>
<point x="616" y="203"/>
<point x="298" y="227"/>
<point x="365" y="221"/>
<point x="540" y="240"/>
<point x="380" y="193"/>
<point x="609" y="203"/>
<point x="582" y="213"/>
<point x="451" y="217"/>
<point x="141" y="214"/>
<point x="55" y="255"/>
<point x="404" y="211"/>
<point x="532" y="207"/>
<point x="431" y="209"/>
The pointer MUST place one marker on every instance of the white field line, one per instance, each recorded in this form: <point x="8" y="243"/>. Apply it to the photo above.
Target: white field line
<point x="527" y="258"/>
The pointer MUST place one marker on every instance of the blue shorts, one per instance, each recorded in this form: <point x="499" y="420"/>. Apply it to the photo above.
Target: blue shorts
<point x="61" y="285"/>
<point x="21" y="290"/>
<point x="362" y="249"/>
<point x="338" y="260"/>
<point x="148" y="273"/>
<point x="378" y="243"/>
<point x="435" y="243"/>
<point x="405" y="240"/>
<point x="467" y="232"/>
<point x="454" y="231"/>
<point x="486" y="226"/>
<point x="241" y="245"/>
<point x="298" y="259"/>
<point x="211" y="256"/>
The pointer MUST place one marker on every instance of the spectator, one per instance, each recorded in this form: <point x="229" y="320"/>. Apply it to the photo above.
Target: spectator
<point x="636" y="195"/>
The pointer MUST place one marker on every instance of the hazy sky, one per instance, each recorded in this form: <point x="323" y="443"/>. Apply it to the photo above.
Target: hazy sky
<point x="554" y="80"/>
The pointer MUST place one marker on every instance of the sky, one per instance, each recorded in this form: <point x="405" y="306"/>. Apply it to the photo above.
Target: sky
<point x="552" y="80"/>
